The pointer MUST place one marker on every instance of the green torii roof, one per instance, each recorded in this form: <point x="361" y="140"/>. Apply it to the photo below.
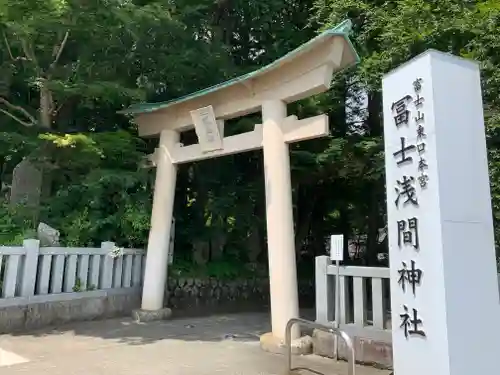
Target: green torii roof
<point x="343" y="29"/>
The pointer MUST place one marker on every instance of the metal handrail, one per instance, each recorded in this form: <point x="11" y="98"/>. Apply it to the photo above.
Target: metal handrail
<point x="351" y="359"/>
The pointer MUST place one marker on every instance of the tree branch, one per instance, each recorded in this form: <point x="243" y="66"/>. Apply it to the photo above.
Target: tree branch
<point x="56" y="111"/>
<point x="9" y="50"/>
<point x="24" y="123"/>
<point x="27" y="51"/>
<point x="60" y="50"/>
<point x="18" y="109"/>
<point x="7" y="45"/>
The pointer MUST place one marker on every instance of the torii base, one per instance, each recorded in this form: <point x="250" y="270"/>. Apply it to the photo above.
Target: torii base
<point x="144" y="316"/>
<point x="273" y="344"/>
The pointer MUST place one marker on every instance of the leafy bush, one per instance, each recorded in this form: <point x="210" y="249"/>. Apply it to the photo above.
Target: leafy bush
<point x="15" y="224"/>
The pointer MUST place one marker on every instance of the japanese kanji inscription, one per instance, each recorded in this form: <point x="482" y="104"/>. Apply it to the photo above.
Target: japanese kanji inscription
<point x="409" y="111"/>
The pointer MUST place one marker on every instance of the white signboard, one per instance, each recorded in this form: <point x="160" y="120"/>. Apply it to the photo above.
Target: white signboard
<point x="337" y="247"/>
<point x="207" y="129"/>
<point x="444" y="288"/>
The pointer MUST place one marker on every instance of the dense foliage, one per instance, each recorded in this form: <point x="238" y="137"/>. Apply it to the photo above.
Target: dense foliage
<point x="67" y="66"/>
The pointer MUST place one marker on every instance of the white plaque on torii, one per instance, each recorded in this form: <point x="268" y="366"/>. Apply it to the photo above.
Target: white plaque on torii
<point x="207" y="129"/>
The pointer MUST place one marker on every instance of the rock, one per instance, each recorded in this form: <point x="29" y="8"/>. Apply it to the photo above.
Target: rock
<point x="47" y="235"/>
<point x="302" y="345"/>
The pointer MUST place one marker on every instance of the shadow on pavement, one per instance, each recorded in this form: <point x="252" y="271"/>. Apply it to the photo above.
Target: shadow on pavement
<point x="304" y="371"/>
<point x="245" y="327"/>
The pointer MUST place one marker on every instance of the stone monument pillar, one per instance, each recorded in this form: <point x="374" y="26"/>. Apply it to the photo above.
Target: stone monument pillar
<point x="444" y="283"/>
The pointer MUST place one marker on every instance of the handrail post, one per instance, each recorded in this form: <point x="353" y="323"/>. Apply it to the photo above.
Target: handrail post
<point x="351" y="357"/>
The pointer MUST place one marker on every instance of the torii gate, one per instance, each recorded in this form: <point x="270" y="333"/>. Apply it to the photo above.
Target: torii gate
<point x="301" y="73"/>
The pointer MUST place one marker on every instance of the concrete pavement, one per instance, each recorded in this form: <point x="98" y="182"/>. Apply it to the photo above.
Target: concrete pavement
<point x="226" y="344"/>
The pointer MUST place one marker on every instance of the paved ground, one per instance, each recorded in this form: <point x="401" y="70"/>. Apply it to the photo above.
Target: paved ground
<point x="217" y="345"/>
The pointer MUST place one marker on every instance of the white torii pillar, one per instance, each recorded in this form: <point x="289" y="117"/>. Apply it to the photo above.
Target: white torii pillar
<point x="279" y="220"/>
<point x="155" y="275"/>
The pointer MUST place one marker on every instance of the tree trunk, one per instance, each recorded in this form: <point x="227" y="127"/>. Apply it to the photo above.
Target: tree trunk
<point x="305" y="207"/>
<point x="346" y="231"/>
<point x="46" y="106"/>
<point x="45" y="120"/>
<point x="374" y="121"/>
<point x="372" y="235"/>
<point x="201" y="252"/>
<point x="217" y="243"/>
<point x="253" y="244"/>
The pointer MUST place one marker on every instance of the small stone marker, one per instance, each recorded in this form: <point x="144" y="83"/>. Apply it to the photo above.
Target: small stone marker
<point x="26" y="184"/>
<point x="444" y="287"/>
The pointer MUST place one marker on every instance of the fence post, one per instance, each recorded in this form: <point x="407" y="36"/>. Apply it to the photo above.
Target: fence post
<point x="325" y="307"/>
<point x="32" y="250"/>
<point x="107" y="273"/>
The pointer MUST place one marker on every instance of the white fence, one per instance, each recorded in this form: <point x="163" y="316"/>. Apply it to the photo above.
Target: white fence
<point x="364" y="299"/>
<point x="33" y="273"/>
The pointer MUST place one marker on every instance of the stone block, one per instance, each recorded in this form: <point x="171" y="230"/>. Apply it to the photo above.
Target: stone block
<point x="119" y="305"/>
<point x="272" y="344"/>
<point x="49" y="313"/>
<point x="366" y="351"/>
<point x="144" y="316"/>
<point x="201" y="297"/>
<point x="36" y="315"/>
<point x="12" y="318"/>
